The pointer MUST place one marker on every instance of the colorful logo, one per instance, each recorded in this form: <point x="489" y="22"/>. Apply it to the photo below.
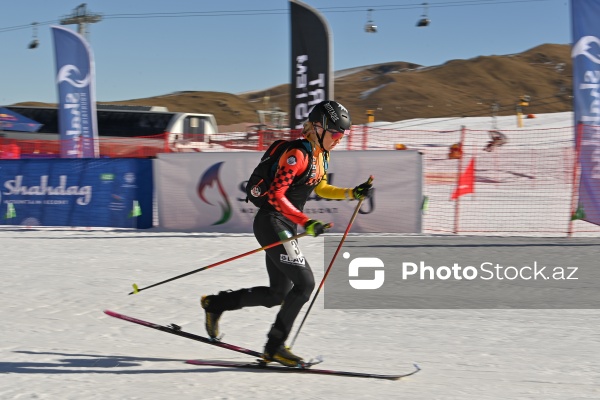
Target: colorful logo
<point x="210" y="178"/>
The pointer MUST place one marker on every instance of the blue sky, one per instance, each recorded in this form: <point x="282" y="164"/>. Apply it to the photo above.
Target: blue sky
<point x="238" y="49"/>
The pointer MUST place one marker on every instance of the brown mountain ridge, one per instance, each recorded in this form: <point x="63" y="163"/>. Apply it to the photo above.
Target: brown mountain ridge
<point x="400" y="90"/>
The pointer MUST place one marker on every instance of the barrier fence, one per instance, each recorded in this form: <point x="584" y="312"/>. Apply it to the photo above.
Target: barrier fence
<point x="521" y="182"/>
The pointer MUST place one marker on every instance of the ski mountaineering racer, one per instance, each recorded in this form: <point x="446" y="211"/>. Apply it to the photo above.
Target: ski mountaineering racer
<point x="291" y="280"/>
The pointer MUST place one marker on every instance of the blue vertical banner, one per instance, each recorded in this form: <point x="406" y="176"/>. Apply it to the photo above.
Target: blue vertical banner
<point x="586" y="103"/>
<point x="75" y="77"/>
<point x="312" y="76"/>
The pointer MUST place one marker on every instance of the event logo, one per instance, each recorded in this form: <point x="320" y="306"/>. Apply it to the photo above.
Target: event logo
<point x="64" y="75"/>
<point x="583" y="46"/>
<point x="210" y="178"/>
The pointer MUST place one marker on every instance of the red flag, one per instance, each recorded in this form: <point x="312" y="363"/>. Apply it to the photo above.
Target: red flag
<point x="466" y="181"/>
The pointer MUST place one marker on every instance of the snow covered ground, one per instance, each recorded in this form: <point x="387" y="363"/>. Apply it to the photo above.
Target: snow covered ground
<point x="58" y="344"/>
<point x="507" y="122"/>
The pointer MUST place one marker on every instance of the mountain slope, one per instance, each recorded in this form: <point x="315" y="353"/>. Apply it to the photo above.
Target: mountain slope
<point x="402" y="90"/>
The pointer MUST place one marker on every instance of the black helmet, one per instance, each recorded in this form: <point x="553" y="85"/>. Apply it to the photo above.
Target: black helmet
<point x="332" y="115"/>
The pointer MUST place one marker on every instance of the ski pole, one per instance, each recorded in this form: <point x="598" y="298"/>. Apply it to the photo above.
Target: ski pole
<point x="136" y="289"/>
<point x="330" y="265"/>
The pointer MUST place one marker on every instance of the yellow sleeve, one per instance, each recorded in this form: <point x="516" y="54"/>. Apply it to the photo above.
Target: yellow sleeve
<point x="328" y="191"/>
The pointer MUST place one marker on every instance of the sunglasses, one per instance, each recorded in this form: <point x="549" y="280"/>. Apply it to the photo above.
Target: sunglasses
<point x="337" y="135"/>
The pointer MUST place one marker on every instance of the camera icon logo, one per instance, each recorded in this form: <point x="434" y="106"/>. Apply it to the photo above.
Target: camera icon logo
<point x="365" y="262"/>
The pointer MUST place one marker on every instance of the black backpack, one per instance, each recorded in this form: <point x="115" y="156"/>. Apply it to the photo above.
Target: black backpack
<point x="262" y="176"/>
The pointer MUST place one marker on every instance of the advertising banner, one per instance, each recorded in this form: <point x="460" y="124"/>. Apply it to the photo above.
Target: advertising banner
<point x="586" y="86"/>
<point x="89" y="193"/>
<point x="75" y="77"/>
<point x="204" y="192"/>
<point x="312" y="76"/>
<point x="12" y="121"/>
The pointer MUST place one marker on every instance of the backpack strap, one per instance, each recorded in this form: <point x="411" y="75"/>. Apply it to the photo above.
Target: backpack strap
<point x="275" y="146"/>
<point x="307" y="147"/>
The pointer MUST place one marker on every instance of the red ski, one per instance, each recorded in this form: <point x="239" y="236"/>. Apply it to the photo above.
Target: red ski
<point x="318" y="371"/>
<point x="176" y="330"/>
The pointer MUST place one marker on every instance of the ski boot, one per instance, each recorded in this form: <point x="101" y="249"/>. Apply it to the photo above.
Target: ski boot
<point x="212" y="318"/>
<point x="284" y="356"/>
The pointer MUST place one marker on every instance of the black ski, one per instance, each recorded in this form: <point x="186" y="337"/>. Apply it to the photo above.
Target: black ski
<point x="176" y="330"/>
<point x="277" y="368"/>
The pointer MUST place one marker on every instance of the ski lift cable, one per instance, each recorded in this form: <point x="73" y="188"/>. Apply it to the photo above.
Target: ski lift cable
<point x="224" y="13"/>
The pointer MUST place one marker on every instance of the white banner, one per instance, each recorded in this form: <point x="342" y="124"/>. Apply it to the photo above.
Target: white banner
<point x="204" y="192"/>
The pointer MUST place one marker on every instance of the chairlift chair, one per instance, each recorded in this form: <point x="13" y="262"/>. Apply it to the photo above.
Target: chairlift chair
<point x="424" y="21"/>
<point x="370" y="26"/>
<point x="34" y="42"/>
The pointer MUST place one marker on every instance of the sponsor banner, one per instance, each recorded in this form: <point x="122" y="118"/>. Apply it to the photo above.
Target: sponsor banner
<point x="12" y="121"/>
<point x="461" y="273"/>
<point x="206" y="191"/>
<point x="75" y="77"/>
<point x="586" y="95"/>
<point x="312" y="77"/>
<point x="104" y="193"/>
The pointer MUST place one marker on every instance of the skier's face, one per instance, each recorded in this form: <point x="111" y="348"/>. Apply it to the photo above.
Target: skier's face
<point x="331" y="137"/>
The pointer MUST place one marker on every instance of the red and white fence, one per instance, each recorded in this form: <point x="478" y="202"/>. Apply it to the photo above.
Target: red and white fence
<point x="523" y="184"/>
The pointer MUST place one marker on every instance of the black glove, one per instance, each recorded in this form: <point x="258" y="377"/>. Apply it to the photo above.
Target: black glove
<point x="363" y="191"/>
<point x="315" y="228"/>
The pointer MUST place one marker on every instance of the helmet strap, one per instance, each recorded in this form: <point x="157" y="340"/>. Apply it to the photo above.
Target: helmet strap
<point x="324" y="128"/>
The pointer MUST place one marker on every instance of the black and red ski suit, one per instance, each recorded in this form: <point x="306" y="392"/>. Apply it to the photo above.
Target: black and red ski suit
<point x="291" y="280"/>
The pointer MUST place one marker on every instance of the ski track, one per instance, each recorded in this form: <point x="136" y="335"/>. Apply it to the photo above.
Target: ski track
<point x="58" y="344"/>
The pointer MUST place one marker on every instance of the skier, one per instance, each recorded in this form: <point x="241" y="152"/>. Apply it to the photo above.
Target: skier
<point x="291" y="280"/>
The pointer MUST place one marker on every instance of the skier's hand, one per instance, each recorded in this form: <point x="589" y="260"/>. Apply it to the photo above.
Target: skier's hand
<point x="363" y="191"/>
<point x="315" y="228"/>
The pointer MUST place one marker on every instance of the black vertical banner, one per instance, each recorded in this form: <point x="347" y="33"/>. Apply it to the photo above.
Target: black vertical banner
<point x="311" y="68"/>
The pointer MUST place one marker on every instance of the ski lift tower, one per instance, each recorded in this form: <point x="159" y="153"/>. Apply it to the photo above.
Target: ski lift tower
<point x="81" y="18"/>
